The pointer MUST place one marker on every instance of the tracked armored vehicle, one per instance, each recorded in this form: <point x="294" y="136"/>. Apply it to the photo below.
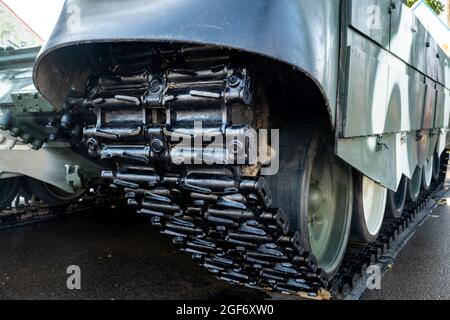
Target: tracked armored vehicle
<point x="272" y="140"/>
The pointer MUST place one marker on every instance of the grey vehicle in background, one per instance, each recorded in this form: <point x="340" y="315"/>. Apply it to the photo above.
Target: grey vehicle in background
<point x="355" y="95"/>
<point x="27" y="158"/>
<point x="29" y="161"/>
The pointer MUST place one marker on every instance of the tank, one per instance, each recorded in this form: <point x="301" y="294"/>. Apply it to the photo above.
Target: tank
<point x="268" y="138"/>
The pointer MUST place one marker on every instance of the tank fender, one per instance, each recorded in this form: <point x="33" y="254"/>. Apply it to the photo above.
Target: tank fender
<point x="301" y="33"/>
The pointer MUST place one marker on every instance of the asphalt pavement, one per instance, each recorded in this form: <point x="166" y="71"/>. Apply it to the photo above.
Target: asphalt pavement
<point x="119" y="254"/>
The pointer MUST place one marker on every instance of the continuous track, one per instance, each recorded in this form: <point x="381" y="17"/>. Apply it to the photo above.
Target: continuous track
<point x="240" y="239"/>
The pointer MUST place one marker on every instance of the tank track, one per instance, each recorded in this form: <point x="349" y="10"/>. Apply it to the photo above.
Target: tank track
<point x="238" y="237"/>
<point x="233" y="234"/>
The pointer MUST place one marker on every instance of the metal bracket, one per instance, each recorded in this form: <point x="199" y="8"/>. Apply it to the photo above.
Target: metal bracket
<point x="404" y="138"/>
<point x="432" y="134"/>
<point x="381" y="144"/>
<point x="419" y="136"/>
<point x="75" y="177"/>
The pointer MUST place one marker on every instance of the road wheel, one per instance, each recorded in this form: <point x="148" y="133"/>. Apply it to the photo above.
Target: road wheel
<point x="427" y="174"/>
<point x="8" y="191"/>
<point x="369" y="205"/>
<point x="396" y="200"/>
<point x="436" y="168"/>
<point x="51" y="195"/>
<point x="414" y="185"/>
<point x="314" y="188"/>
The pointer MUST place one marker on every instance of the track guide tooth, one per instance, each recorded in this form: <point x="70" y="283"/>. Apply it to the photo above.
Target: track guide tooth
<point x="259" y="187"/>
<point x="298" y="244"/>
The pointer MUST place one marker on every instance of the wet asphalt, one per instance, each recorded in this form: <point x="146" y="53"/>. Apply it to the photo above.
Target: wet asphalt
<point x="122" y="257"/>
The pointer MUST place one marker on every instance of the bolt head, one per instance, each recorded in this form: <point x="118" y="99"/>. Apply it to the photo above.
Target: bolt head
<point x="155" y="85"/>
<point x="92" y="144"/>
<point x="234" y="81"/>
<point x="157" y="145"/>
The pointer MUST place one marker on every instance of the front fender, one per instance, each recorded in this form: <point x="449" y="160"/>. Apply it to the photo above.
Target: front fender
<point x="302" y="33"/>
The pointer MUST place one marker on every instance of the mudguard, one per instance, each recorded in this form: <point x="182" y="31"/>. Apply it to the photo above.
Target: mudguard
<point x="302" y="33"/>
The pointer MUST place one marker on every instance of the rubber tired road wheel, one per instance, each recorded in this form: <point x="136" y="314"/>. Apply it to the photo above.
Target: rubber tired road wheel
<point x="436" y="168"/>
<point x="314" y="188"/>
<point x="396" y="200"/>
<point x="414" y="185"/>
<point x="51" y="195"/>
<point x="427" y="174"/>
<point x="369" y="206"/>
<point x="8" y="191"/>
